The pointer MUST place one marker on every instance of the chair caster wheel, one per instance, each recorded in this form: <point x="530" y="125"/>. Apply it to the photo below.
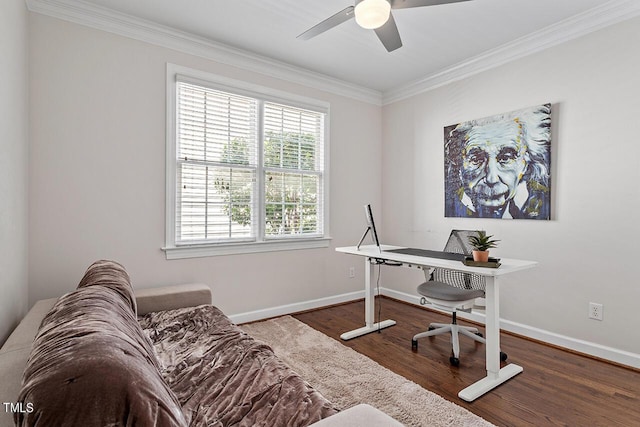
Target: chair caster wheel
<point x="480" y="334"/>
<point x="431" y="328"/>
<point x="414" y="345"/>
<point x="454" y="361"/>
<point x="503" y="356"/>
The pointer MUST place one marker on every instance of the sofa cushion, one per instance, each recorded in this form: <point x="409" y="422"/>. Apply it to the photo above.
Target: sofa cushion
<point x="224" y="377"/>
<point x="92" y="365"/>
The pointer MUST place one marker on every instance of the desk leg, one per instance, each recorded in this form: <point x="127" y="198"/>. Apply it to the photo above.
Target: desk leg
<point x="495" y="375"/>
<point x="369" y="308"/>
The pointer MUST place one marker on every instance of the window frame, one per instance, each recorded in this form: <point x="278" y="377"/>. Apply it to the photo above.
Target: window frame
<point x="263" y="94"/>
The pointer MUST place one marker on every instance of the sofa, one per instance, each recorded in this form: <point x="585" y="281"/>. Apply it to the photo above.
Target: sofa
<point x="105" y="354"/>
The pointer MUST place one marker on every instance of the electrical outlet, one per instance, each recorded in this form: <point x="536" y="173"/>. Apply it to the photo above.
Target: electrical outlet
<point x="352" y="272"/>
<point x="595" y="311"/>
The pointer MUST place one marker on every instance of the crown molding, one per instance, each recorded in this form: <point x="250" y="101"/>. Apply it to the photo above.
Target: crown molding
<point x="594" y="19"/>
<point x="108" y="20"/>
<point x="104" y="19"/>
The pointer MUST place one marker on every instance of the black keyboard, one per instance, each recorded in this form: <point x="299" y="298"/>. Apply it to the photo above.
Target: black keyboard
<point x="429" y="254"/>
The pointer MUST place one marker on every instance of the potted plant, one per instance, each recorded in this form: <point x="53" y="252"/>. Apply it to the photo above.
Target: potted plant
<point x="481" y="244"/>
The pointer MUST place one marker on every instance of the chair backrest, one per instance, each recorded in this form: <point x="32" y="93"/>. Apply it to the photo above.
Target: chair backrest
<point x="459" y="243"/>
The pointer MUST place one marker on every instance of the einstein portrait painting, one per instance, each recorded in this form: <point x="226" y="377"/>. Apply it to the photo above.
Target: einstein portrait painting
<point x="499" y="166"/>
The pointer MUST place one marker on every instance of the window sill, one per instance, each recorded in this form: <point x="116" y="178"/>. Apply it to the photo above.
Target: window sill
<point x="199" y="251"/>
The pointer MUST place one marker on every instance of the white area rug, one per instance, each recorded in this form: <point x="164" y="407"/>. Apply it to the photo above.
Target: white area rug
<point x="348" y="378"/>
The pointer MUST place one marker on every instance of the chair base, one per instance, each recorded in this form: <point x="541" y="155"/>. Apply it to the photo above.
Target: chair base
<point x="454" y="329"/>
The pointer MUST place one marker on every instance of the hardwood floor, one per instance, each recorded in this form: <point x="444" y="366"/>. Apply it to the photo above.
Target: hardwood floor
<point x="557" y="387"/>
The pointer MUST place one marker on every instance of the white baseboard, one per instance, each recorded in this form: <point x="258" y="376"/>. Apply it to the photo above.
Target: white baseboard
<point x="586" y="347"/>
<point x="281" y="310"/>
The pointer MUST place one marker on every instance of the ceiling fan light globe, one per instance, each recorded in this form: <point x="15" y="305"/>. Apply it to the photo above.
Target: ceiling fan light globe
<point x="372" y="14"/>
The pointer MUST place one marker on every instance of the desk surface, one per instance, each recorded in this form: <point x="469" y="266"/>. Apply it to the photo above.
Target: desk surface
<point x="495" y="374"/>
<point x="507" y="266"/>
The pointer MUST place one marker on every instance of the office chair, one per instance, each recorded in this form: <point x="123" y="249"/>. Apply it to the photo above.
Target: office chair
<point x="452" y="291"/>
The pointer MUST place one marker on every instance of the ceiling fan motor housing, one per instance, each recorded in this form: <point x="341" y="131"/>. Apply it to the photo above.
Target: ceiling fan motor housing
<point x="372" y="14"/>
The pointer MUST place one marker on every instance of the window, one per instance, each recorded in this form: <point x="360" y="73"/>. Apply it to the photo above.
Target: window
<point x="246" y="168"/>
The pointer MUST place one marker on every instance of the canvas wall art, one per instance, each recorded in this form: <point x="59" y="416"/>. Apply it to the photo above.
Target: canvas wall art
<point x="499" y="166"/>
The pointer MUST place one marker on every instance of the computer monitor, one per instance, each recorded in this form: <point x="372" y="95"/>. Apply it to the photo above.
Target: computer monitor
<point x="371" y="227"/>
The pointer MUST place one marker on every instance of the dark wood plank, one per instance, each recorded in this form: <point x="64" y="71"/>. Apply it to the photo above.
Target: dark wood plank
<point x="557" y="387"/>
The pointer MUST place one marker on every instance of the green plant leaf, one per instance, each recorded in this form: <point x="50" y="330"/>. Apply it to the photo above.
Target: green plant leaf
<point x="482" y="242"/>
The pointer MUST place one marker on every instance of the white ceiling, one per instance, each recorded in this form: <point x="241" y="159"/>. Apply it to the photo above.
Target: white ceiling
<point x="436" y="38"/>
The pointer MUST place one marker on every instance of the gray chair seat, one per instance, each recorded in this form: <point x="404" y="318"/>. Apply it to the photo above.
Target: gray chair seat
<point x="452" y="290"/>
<point x="442" y="291"/>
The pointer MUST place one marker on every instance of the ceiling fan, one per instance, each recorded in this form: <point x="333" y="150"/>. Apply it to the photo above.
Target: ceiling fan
<point x="374" y="15"/>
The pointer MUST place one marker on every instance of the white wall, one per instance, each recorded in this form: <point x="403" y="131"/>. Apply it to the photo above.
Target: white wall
<point x="13" y="163"/>
<point x="97" y="181"/>
<point x="588" y="251"/>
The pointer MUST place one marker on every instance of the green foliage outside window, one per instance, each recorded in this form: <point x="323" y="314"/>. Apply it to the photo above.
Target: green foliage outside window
<point x="291" y="184"/>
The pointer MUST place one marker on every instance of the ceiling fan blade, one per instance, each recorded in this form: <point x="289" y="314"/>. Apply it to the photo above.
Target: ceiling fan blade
<point x="337" y="19"/>
<point x="404" y="4"/>
<point x="389" y="35"/>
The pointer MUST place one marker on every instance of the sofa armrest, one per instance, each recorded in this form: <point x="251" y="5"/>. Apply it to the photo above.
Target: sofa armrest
<point x="12" y="365"/>
<point x="362" y="415"/>
<point x="14" y="354"/>
<point x="172" y="297"/>
<point x="23" y="335"/>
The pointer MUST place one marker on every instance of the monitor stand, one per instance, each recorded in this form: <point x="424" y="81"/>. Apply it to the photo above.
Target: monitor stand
<point x="364" y="236"/>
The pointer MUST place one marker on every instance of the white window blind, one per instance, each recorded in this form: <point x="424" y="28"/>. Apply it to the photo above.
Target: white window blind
<point x="293" y="168"/>
<point x="247" y="169"/>
<point x="217" y="164"/>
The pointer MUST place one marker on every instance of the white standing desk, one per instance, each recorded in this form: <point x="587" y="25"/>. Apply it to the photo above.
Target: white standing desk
<point x="495" y="375"/>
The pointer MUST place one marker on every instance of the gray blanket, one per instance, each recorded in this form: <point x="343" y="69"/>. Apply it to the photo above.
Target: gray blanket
<point x="223" y="377"/>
